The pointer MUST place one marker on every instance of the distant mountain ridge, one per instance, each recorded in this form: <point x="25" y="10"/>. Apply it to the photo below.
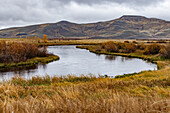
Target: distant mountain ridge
<point x="125" y="27"/>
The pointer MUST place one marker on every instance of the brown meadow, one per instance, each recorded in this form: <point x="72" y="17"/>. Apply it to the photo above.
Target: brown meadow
<point x="141" y="93"/>
<point x="145" y="92"/>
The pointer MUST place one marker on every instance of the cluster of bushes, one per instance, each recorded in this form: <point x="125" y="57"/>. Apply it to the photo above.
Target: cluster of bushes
<point x="158" y="49"/>
<point x="17" y="52"/>
<point x="110" y="47"/>
<point x="128" y="47"/>
<point x="152" y="49"/>
<point x="119" y="47"/>
<point x="165" y="51"/>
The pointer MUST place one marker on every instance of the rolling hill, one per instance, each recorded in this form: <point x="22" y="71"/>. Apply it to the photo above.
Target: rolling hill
<point x="125" y="27"/>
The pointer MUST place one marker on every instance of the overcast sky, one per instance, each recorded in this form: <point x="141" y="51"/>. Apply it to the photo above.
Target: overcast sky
<point x="27" y="12"/>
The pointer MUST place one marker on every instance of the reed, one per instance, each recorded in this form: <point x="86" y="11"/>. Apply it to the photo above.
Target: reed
<point x="141" y="93"/>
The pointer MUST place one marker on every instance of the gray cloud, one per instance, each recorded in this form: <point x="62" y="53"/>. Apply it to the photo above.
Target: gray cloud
<point x="136" y="2"/>
<point x="26" y="12"/>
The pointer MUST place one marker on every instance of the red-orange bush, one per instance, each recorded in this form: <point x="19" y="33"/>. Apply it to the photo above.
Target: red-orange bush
<point x="134" y="42"/>
<point x="165" y="51"/>
<point x="126" y="41"/>
<point x="152" y="49"/>
<point x="130" y="48"/>
<point x="16" y="52"/>
<point x="120" y="45"/>
<point x="111" y="47"/>
<point x="141" y="46"/>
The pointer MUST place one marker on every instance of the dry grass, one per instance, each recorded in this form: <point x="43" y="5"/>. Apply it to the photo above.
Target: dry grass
<point x="147" y="92"/>
<point x="64" y="42"/>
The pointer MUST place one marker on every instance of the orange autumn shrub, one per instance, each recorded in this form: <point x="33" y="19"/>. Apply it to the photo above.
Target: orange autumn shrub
<point x="111" y="47"/>
<point x="165" y="51"/>
<point x="129" y="48"/>
<point x="152" y="49"/>
<point x="17" y="52"/>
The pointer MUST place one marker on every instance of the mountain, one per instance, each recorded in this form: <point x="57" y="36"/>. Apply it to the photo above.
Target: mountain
<point x="127" y="26"/>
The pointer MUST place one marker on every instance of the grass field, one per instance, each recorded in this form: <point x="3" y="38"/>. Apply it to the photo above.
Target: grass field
<point x="78" y="41"/>
<point x="145" y="92"/>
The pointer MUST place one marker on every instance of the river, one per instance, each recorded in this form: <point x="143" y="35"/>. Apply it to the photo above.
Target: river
<point x="79" y="61"/>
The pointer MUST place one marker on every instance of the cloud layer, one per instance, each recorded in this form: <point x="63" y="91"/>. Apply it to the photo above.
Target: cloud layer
<point x="26" y="12"/>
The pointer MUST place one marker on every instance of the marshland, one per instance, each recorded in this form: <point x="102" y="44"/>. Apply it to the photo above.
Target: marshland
<point x="70" y="87"/>
<point x="84" y="56"/>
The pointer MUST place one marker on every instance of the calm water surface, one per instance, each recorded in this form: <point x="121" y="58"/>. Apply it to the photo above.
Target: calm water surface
<point x="79" y="61"/>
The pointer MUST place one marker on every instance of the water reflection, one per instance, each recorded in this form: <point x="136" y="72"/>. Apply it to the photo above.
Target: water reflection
<point x="110" y="57"/>
<point x="79" y="61"/>
<point x="123" y="59"/>
<point x="43" y="66"/>
<point x="17" y="69"/>
<point x="98" y="54"/>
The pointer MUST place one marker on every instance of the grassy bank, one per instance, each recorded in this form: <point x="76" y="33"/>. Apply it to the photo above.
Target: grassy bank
<point x="161" y="62"/>
<point x="18" y="54"/>
<point x="31" y="62"/>
<point x="141" y="93"/>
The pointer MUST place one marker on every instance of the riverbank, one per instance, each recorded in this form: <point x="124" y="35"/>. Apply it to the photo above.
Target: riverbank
<point x="161" y="62"/>
<point x="31" y="62"/>
<point x="144" y="92"/>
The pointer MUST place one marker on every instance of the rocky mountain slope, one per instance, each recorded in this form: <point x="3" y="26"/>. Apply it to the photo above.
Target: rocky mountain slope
<point x="127" y="26"/>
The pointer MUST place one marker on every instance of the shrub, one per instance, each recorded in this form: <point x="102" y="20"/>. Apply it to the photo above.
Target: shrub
<point x="111" y="47"/>
<point x="152" y="49"/>
<point x="38" y="40"/>
<point x="161" y="41"/>
<point x="126" y="41"/>
<point x="130" y="48"/>
<point x="134" y="42"/>
<point x="165" y="51"/>
<point x="120" y="45"/>
<point x="141" y="46"/>
<point x="17" y="52"/>
<point x="45" y="38"/>
<point x="168" y="50"/>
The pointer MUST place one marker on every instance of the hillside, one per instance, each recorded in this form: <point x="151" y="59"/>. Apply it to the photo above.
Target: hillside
<point x="127" y="26"/>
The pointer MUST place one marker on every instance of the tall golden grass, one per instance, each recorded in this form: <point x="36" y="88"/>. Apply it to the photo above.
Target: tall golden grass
<point x="147" y="92"/>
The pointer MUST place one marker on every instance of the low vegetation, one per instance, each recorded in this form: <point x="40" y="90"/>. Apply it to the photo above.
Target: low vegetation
<point x="145" y="92"/>
<point x="147" y="50"/>
<point x="17" y="54"/>
<point x="140" y="93"/>
<point x="152" y="49"/>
